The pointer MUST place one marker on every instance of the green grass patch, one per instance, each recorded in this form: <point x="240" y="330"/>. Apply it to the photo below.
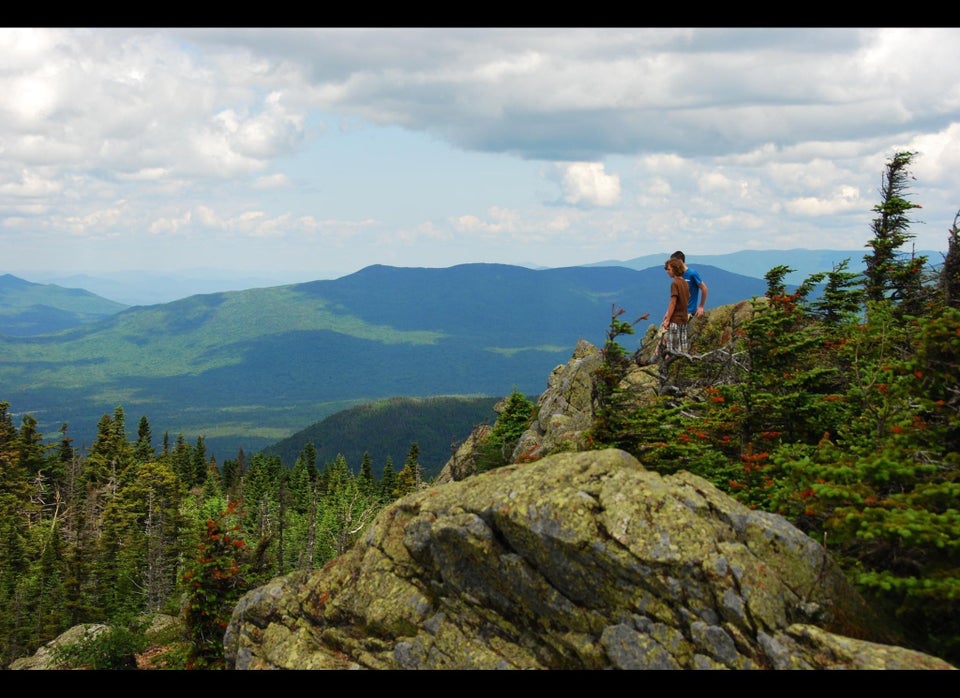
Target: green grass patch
<point x="512" y="351"/>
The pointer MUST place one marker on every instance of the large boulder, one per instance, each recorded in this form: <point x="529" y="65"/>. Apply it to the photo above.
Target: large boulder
<point x="47" y="657"/>
<point x="576" y="561"/>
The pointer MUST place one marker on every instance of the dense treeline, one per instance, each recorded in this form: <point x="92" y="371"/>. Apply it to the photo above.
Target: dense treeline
<point x="131" y="528"/>
<point x="386" y="428"/>
<point x="841" y="413"/>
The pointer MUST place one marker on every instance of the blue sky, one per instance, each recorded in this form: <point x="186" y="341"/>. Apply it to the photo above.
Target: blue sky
<point x="307" y="153"/>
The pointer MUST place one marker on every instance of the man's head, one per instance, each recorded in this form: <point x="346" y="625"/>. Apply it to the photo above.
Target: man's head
<point x="679" y="255"/>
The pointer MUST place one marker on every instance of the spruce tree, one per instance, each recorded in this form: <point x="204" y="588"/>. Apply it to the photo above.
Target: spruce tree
<point x="110" y="454"/>
<point x="365" y="477"/>
<point x="842" y="296"/>
<point x="388" y="482"/>
<point x="889" y="275"/>
<point x="199" y="462"/>
<point x="409" y="477"/>
<point x="143" y="449"/>
<point x="950" y="272"/>
<point x="497" y="448"/>
<point x="346" y="510"/>
<point x="14" y="563"/>
<point x="303" y="479"/>
<point x="181" y="460"/>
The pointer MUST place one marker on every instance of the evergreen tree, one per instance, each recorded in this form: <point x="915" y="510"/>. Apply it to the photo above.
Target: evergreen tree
<point x="81" y="532"/>
<point x="111" y="453"/>
<point x="181" y="460"/>
<point x="139" y="550"/>
<point x="213" y="482"/>
<point x="304" y="496"/>
<point x="215" y="582"/>
<point x="884" y="490"/>
<point x="63" y="459"/>
<point x="46" y="588"/>
<point x="610" y="425"/>
<point x="262" y="480"/>
<point x="887" y="274"/>
<point x="303" y="478"/>
<point x="950" y="272"/>
<point x="199" y="462"/>
<point x="233" y="473"/>
<point x="33" y="458"/>
<point x="261" y="515"/>
<point x="842" y="298"/>
<point x="409" y="477"/>
<point x="365" y="477"/>
<point x="14" y="478"/>
<point x="143" y="449"/>
<point x="514" y="419"/>
<point x="388" y="482"/>
<point x="345" y="510"/>
<point x="14" y="562"/>
<point x="336" y="472"/>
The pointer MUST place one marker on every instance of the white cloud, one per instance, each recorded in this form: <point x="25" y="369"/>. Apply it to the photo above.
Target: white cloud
<point x="30" y="184"/>
<point x="274" y="181"/>
<point x="846" y="199"/>
<point x="386" y="142"/>
<point x="588" y="183"/>
<point x="939" y="155"/>
<point x="145" y="174"/>
<point x="96" y="223"/>
<point x="170" y="225"/>
<point x="500" y="220"/>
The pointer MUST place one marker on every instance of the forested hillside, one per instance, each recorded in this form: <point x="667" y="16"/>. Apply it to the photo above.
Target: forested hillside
<point x="246" y="369"/>
<point x="28" y="308"/>
<point x="385" y="430"/>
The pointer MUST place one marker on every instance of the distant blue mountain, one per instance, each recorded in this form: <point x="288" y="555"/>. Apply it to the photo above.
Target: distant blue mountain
<point x="248" y="368"/>
<point x="28" y="308"/>
<point x="149" y="287"/>
<point x="757" y="263"/>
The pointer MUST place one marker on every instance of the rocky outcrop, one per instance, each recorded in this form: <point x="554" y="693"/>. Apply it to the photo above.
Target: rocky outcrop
<point x="46" y="657"/>
<point x="463" y="463"/>
<point x="571" y="559"/>
<point x="575" y="561"/>
<point x="565" y="409"/>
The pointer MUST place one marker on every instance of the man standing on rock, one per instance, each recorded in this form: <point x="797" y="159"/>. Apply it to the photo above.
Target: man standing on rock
<point x="692" y="276"/>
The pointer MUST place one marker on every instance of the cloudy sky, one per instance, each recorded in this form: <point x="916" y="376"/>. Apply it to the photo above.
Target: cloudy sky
<point x="311" y="153"/>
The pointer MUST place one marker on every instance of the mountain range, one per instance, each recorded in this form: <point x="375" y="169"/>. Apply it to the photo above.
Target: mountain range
<point x="149" y="287"/>
<point x="802" y="262"/>
<point x="249" y="368"/>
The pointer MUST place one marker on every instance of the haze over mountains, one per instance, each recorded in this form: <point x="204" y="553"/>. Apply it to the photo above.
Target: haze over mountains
<point x="248" y="368"/>
<point x="148" y="287"/>
<point x="758" y="262"/>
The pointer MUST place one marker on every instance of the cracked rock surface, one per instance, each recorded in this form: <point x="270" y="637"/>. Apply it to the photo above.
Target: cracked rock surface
<point x="576" y="561"/>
